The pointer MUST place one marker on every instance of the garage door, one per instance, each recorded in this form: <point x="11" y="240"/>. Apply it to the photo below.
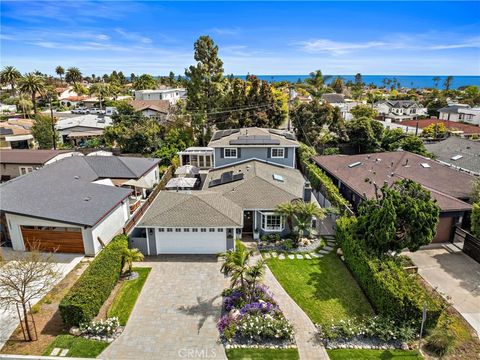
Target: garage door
<point x="59" y="239"/>
<point x="189" y="242"/>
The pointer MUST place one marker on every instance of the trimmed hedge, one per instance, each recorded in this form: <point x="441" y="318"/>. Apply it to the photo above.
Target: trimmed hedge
<point x="84" y="300"/>
<point x="318" y="179"/>
<point x="391" y="290"/>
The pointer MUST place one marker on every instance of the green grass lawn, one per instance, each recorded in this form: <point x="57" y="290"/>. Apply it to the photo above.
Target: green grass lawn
<point x="373" y="355"/>
<point x="262" y="354"/>
<point x="323" y="288"/>
<point x="126" y="297"/>
<point x="78" y="346"/>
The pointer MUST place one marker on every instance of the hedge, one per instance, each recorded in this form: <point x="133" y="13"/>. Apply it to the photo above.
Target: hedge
<point x="392" y="291"/>
<point x="84" y="300"/>
<point x="319" y="179"/>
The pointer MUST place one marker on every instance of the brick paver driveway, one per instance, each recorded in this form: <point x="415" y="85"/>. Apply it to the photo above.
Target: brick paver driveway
<point x="176" y="314"/>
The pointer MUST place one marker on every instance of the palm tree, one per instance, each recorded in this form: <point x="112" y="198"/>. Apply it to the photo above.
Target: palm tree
<point x="436" y="81"/>
<point x="316" y="83"/>
<point x="100" y="90"/>
<point x="60" y="71"/>
<point x="11" y="76"/>
<point x="305" y="211"/>
<point x="236" y="264"/>
<point x="448" y="82"/>
<point x="253" y="276"/>
<point x="79" y="89"/>
<point x="25" y="104"/>
<point x="288" y="210"/>
<point x="73" y="75"/>
<point x="32" y="84"/>
<point x="130" y="256"/>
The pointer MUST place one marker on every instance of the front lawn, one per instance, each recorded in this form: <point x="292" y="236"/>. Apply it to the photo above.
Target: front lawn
<point x="348" y="354"/>
<point x="126" y="297"/>
<point x="323" y="288"/>
<point x="78" y="346"/>
<point x="262" y="354"/>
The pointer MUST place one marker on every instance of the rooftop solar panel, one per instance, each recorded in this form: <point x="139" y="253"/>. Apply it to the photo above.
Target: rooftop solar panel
<point x="255" y="142"/>
<point x="225" y="178"/>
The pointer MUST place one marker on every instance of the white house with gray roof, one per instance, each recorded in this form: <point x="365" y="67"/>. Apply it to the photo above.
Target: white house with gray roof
<point x="236" y="200"/>
<point x="399" y="110"/>
<point x="76" y="204"/>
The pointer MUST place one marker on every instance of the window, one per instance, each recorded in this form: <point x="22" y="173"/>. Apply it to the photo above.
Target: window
<point x="211" y="230"/>
<point x="230" y="153"/>
<point x="220" y="230"/>
<point x="178" y="230"/>
<point x="186" y="230"/>
<point x="25" y="169"/>
<point x="203" y="230"/>
<point x="161" y="230"/>
<point x="194" y="230"/>
<point x="272" y="222"/>
<point x="278" y="152"/>
<point x="169" y="230"/>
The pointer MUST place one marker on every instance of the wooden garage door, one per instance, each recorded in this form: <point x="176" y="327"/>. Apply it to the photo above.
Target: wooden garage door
<point x="63" y="240"/>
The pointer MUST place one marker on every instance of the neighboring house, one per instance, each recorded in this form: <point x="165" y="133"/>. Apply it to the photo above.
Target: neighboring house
<point x="200" y="157"/>
<point x="458" y="153"/>
<point x="389" y="124"/>
<point x="399" y="110"/>
<point x="77" y="204"/>
<point x="356" y="176"/>
<point x="72" y="100"/>
<point x="339" y="101"/>
<point x="268" y="145"/>
<point x="235" y="201"/>
<point x="77" y="130"/>
<point x="8" y="109"/>
<point x="15" y="135"/>
<point x="171" y="95"/>
<point x="156" y="109"/>
<point x="14" y="163"/>
<point x="460" y="113"/>
<point x="455" y="128"/>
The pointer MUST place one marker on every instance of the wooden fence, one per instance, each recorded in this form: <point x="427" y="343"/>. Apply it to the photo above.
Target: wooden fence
<point x="138" y="215"/>
<point x="471" y="244"/>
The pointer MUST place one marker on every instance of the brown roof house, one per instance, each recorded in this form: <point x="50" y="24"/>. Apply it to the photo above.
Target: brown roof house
<point x="356" y="175"/>
<point x="157" y="109"/>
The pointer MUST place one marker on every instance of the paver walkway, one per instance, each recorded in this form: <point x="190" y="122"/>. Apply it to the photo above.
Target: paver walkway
<point x="176" y="313"/>
<point x="454" y="274"/>
<point x="309" y="347"/>
<point x="9" y="317"/>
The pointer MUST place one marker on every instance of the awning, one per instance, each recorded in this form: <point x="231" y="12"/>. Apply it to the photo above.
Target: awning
<point x="18" y="138"/>
<point x="140" y="183"/>
<point x="187" y="170"/>
<point x="181" y="183"/>
<point x="80" y="134"/>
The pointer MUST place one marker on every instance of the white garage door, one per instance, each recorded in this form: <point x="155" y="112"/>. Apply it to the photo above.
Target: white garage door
<point x="191" y="242"/>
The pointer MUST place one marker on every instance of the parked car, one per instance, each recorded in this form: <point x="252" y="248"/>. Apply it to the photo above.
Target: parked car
<point x="94" y="111"/>
<point x="80" y="111"/>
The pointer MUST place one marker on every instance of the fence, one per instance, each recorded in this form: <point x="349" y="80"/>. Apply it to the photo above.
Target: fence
<point x="161" y="185"/>
<point x="471" y="244"/>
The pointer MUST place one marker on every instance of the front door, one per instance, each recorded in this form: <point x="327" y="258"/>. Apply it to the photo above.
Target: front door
<point x="247" y="222"/>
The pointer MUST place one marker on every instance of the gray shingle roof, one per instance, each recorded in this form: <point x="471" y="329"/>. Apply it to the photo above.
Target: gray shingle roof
<point x="333" y="98"/>
<point x="468" y="150"/>
<point x="63" y="191"/>
<point x="24" y="156"/>
<point x="283" y="138"/>
<point x="177" y="209"/>
<point x="258" y="189"/>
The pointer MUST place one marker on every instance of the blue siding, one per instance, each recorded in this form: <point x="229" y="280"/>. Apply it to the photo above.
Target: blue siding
<point x="260" y="153"/>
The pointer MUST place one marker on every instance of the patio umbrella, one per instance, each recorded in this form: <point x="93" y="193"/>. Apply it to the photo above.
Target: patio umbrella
<point x="181" y="183"/>
<point x="187" y="170"/>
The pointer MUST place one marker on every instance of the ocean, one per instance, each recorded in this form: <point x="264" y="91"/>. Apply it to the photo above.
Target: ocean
<point x="409" y="81"/>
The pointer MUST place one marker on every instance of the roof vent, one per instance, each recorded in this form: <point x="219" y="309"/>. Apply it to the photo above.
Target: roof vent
<point x="425" y="165"/>
<point x="278" y="177"/>
<point x="456" y="157"/>
<point x="357" y="163"/>
<point x="87" y="198"/>
<point x="76" y="177"/>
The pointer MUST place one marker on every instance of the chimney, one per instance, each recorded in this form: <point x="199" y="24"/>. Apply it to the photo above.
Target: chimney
<point x="307" y="192"/>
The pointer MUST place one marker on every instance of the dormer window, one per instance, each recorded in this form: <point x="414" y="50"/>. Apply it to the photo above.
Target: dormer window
<point x="230" y="153"/>
<point x="278" y="153"/>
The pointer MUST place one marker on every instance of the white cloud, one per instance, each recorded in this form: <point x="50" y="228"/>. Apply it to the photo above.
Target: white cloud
<point x="225" y="31"/>
<point x="133" y="36"/>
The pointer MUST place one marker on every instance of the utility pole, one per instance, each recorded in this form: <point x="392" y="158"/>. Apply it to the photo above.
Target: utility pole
<point x="52" y="122"/>
<point x="290" y="98"/>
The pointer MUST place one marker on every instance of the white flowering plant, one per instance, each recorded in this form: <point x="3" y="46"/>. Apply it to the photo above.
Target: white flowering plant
<point x="265" y="326"/>
<point x="102" y="328"/>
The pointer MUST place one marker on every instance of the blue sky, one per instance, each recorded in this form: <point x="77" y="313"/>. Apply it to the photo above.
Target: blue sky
<point x="401" y="38"/>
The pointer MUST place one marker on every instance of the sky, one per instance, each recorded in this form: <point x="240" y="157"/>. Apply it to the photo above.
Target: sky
<point x="263" y="38"/>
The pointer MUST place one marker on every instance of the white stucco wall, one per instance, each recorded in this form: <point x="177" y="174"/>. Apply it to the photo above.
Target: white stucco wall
<point x="152" y="177"/>
<point x="110" y="226"/>
<point x="15" y="221"/>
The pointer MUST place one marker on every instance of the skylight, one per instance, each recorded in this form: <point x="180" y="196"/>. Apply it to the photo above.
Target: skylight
<point x="456" y="157"/>
<point x="278" y="177"/>
<point x="425" y="165"/>
<point x="352" y="165"/>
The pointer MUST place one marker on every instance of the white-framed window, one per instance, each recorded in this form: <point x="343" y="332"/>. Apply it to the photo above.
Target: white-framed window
<point x="230" y="153"/>
<point x="161" y="230"/>
<point x="169" y="230"/>
<point x="211" y="230"/>
<point x="272" y="222"/>
<point x="203" y="230"/>
<point x="278" y="152"/>
<point x="220" y="229"/>
<point x="186" y="230"/>
<point x="194" y="229"/>
<point x="178" y="230"/>
<point x="25" y="169"/>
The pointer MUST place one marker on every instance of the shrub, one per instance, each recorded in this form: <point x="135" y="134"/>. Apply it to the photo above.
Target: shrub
<point x="84" y="300"/>
<point x="393" y="292"/>
<point x="441" y="341"/>
<point x="265" y="326"/>
<point x="102" y="327"/>
<point x="288" y="244"/>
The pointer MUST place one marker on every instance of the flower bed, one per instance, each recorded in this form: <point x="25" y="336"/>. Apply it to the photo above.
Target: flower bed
<point x="371" y="333"/>
<point x="305" y="245"/>
<point x="103" y="330"/>
<point x="253" y="320"/>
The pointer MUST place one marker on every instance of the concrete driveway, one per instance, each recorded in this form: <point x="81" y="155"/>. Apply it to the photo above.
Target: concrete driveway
<point x="9" y="318"/>
<point x="455" y="275"/>
<point x="176" y="313"/>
